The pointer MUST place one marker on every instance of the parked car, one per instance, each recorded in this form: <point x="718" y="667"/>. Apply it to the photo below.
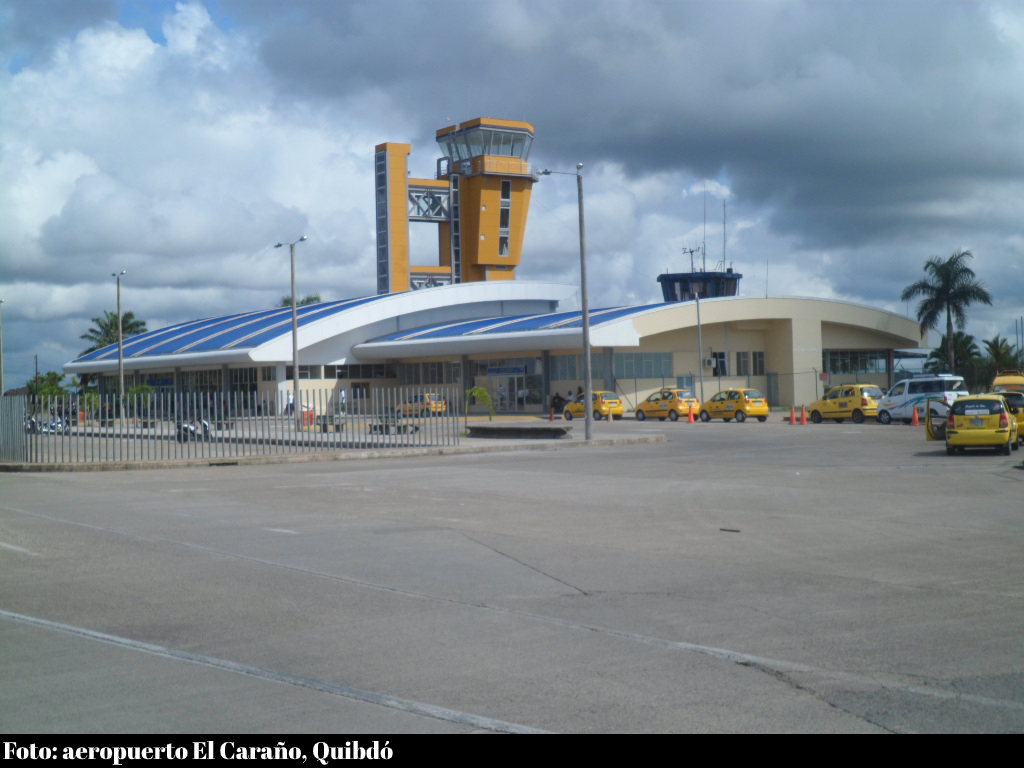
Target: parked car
<point x="1008" y="381"/>
<point x="428" y="404"/>
<point x="900" y="401"/>
<point x="981" y="421"/>
<point x="669" y="404"/>
<point x="847" y="401"/>
<point x="736" y="404"/>
<point x="1015" y="400"/>
<point x="606" y="405"/>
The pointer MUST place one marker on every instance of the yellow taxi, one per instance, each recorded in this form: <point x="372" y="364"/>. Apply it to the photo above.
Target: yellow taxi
<point x="428" y="404"/>
<point x="736" y="404"/>
<point x="1008" y="381"/>
<point x="668" y="404"/>
<point x="1015" y="400"/>
<point x="981" y="421"/>
<point x="606" y="405"/>
<point x="847" y="401"/>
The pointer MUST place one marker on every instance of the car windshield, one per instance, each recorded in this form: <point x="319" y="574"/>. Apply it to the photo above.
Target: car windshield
<point x="874" y="392"/>
<point x="753" y="394"/>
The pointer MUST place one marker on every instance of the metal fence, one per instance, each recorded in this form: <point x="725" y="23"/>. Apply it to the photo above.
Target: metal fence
<point x="164" y="427"/>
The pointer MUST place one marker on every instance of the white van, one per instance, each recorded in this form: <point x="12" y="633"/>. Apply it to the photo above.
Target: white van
<point x="899" y="402"/>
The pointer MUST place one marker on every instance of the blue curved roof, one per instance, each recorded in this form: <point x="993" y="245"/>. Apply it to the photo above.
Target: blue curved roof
<point x="516" y="324"/>
<point x="240" y="331"/>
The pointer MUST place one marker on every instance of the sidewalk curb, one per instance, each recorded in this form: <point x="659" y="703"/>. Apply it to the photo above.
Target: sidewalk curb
<point x="481" y="445"/>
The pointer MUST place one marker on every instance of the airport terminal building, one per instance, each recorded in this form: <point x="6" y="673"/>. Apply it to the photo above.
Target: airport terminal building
<point x="466" y="321"/>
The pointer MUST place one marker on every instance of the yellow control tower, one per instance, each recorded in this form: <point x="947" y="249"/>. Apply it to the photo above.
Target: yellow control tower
<point x="479" y="198"/>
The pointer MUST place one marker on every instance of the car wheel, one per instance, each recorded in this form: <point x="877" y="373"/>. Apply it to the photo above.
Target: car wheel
<point x="741" y="416"/>
<point x="597" y="415"/>
<point x="705" y="416"/>
<point x="949" y="450"/>
<point x="884" y="417"/>
<point x="816" y="417"/>
<point x="640" y="415"/>
<point x="858" y="416"/>
<point x="567" y="415"/>
<point x="673" y="416"/>
<point x="762" y="419"/>
<point x="1006" y="449"/>
<point x="1015" y="444"/>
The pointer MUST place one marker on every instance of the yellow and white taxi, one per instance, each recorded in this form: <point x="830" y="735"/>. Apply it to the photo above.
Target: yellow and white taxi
<point x="847" y="401"/>
<point x="671" y="404"/>
<point x="606" y="405"/>
<point x="981" y="421"/>
<point x="736" y="404"/>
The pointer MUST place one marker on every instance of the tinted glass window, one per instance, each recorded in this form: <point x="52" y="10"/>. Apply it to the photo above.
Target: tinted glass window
<point x="977" y="408"/>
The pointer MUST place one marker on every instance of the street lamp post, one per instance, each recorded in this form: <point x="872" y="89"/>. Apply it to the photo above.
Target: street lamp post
<point x="295" y="338"/>
<point x="120" y="347"/>
<point x="588" y="390"/>
<point x="2" y="348"/>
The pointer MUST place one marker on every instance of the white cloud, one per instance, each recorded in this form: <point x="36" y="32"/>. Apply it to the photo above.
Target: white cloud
<point x="851" y="142"/>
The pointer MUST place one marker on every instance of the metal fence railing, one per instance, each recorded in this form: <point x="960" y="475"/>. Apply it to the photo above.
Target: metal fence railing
<point x="153" y="427"/>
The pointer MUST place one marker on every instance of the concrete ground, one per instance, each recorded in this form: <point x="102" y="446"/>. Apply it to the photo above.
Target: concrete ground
<point x="736" y="577"/>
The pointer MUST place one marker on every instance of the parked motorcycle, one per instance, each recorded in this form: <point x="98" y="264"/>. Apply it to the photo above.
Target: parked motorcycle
<point x="56" y="427"/>
<point x="198" y="430"/>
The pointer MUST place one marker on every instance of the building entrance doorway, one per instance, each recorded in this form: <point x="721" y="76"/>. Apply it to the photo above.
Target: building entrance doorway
<point x="507" y="387"/>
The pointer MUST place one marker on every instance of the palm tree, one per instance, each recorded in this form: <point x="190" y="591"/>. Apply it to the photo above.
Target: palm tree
<point x="104" y="330"/>
<point x="1002" y="352"/>
<point x="312" y="298"/>
<point x="104" y="333"/>
<point x="965" y="352"/>
<point x="950" y="287"/>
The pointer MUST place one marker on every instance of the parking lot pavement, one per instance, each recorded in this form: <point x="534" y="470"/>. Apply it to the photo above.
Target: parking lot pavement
<point x="736" y="577"/>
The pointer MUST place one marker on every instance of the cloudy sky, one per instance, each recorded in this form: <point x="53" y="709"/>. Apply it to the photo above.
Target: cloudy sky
<point x="847" y="141"/>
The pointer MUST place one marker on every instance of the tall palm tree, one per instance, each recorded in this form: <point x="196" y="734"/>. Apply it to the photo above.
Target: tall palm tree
<point x="104" y="330"/>
<point x="104" y="333"/>
<point x="950" y="287"/>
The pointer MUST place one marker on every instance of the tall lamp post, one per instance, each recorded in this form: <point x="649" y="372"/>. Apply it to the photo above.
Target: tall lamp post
<point x="2" y="348"/>
<point x="588" y="392"/>
<point x="295" y="339"/>
<point x="120" y="347"/>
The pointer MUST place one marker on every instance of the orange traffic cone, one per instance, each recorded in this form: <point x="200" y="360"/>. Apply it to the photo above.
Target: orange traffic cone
<point x="689" y="419"/>
<point x="914" y="422"/>
<point x="792" y="415"/>
<point x="803" y="415"/>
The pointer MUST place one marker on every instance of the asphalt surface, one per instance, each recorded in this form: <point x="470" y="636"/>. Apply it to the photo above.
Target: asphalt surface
<point x="734" y="578"/>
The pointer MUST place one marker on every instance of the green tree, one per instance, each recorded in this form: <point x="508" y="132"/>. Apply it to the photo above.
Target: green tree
<point x="104" y="330"/>
<point x="966" y="358"/>
<point x="481" y="394"/>
<point x="49" y="384"/>
<point x="1002" y="352"/>
<point x="965" y="350"/>
<point x="949" y="288"/>
<point x="312" y="298"/>
<point x="104" y="333"/>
